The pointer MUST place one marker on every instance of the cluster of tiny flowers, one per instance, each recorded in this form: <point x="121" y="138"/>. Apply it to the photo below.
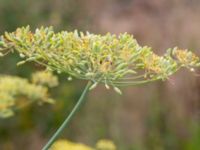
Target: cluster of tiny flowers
<point x="109" y="59"/>
<point x="67" y="145"/>
<point x="16" y="92"/>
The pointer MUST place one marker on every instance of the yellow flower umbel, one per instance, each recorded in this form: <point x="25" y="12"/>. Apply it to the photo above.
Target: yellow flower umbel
<point x="16" y="92"/>
<point x="110" y="59"/>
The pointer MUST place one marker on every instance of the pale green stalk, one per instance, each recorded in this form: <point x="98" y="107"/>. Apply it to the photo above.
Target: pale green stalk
<point x="69" y="117"/>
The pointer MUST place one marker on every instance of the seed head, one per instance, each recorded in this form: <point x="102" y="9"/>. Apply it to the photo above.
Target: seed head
<point x="110" y="59"/>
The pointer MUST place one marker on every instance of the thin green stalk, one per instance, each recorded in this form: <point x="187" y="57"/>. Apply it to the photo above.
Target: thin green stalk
<point x="69" y="117"/>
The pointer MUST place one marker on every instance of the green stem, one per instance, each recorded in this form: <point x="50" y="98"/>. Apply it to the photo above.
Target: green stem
<point x="69" y="117"/>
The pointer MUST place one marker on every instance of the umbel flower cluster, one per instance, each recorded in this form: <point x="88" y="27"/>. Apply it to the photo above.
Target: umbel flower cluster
<point x="16" y="92"/>
<point x="110" y="59"/>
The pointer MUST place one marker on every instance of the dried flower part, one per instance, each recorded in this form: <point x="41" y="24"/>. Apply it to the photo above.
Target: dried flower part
<point x="186" y="58"/>
<point x="113" y="60"/>
<point x="16" y="92"/>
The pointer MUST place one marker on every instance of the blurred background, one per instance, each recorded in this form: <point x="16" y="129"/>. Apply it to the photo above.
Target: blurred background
<point x="157" y="116"/>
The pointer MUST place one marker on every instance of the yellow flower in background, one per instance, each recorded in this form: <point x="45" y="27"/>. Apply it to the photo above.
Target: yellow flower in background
<point x="16" y="92"/>
<point x="44" y="78"/>
<point x="67" y="145"/>
<point x="105" y="145"/>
